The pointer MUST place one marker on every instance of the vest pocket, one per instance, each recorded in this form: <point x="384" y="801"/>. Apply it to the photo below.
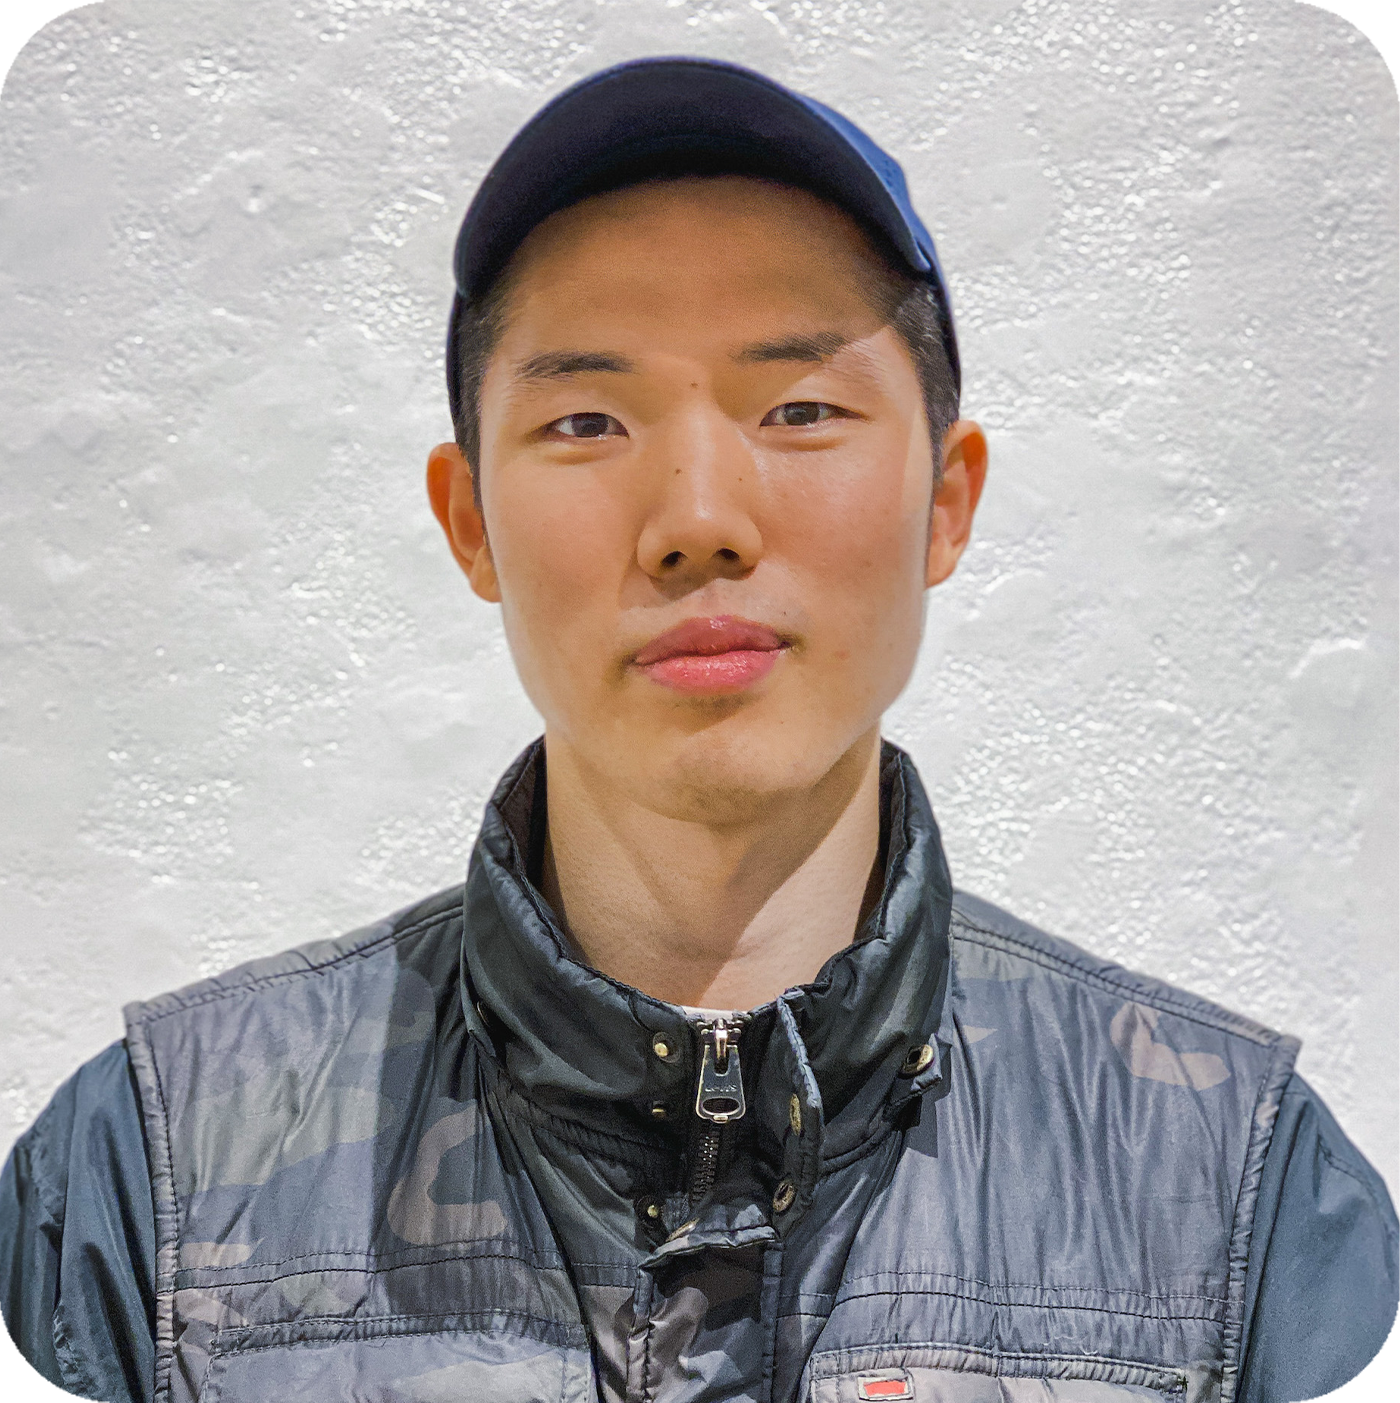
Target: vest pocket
<point x="957" y="1374"/>
<point x="392" y="1362"/>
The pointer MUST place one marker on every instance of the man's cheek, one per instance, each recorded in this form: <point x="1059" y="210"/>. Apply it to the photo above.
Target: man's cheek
<point x="863" y="544"/>
<point x="549" y="552"/>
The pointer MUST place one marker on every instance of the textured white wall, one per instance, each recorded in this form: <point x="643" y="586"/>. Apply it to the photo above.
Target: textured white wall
<point x="246" y="700"/>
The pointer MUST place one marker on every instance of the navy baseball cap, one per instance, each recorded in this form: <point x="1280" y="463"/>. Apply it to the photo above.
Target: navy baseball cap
<point x="675" y="116"/>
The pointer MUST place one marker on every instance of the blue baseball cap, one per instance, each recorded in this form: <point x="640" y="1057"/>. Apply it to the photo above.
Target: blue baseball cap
<point x="673" y="116"/>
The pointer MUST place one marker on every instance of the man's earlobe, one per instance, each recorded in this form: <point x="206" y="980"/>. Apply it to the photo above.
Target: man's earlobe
<point x="452" y="495"/>
<point x="955" y="501"/>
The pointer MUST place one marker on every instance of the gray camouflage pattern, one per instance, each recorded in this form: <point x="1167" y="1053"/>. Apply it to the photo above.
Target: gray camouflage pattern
<point x="413" y="1165"/>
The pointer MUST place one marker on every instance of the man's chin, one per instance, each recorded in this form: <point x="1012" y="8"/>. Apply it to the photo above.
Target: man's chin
<point x="724" y="773"/>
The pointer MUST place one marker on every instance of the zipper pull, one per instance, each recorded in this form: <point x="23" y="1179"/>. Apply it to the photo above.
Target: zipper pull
<point x="720" y="1094"/>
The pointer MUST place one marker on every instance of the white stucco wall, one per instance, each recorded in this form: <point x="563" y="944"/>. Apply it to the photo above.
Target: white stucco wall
<point x="246" y="700"/>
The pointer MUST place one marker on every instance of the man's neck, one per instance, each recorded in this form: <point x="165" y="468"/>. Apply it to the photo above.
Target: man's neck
<point x="711" y="915"/>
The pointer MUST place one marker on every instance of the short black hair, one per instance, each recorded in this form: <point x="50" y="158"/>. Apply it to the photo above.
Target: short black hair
<point x="908" y="303"/>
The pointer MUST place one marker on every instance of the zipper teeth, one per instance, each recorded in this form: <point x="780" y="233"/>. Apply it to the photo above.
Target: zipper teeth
<point x="706" y="1163"/>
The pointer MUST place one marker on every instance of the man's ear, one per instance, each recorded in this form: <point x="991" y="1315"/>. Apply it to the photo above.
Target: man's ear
<point x="955" y="502"/>
<point x="453" y="498"/>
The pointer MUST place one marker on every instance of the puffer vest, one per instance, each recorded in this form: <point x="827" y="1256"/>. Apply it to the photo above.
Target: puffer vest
<point x="442" y="1159"/>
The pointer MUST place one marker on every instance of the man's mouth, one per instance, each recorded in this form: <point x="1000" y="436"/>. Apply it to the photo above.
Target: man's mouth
<point x="711" y="656"/>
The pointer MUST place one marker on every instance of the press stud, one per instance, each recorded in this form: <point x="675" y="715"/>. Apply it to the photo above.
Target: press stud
<point x="784" y="1195"/>
<point x="659" y="1111"/>
<point x="661" y="1046"/>
<point x="683" y="1229"/>
<point x="651" y="1210"/>
<point x="795" y="1115"/>
<point x="918" y="1058"/>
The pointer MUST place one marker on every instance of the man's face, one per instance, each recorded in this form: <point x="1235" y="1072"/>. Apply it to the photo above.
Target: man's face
<point x="698" y="434"/>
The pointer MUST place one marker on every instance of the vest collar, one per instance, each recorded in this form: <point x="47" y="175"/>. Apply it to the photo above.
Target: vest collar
<point x="582" y="1046"/>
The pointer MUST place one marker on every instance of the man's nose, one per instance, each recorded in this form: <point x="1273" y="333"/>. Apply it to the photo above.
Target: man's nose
<point x="701" y="525"/>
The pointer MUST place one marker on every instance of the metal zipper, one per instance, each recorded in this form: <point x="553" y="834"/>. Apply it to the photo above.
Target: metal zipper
<point x="719" y="1098"/>
<point x="719" y="1094"/>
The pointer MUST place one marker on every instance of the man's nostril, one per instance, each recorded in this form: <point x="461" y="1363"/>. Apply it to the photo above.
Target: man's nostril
<point x="727" y="554"/>
<point x="674" y="558"/>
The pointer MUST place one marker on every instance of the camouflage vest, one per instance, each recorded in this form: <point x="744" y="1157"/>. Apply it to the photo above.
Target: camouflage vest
<point x="443" y="1160"/>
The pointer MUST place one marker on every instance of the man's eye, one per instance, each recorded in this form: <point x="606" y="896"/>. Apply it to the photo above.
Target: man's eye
<point x="587" y="426"/>
<point x="797" y="413"/>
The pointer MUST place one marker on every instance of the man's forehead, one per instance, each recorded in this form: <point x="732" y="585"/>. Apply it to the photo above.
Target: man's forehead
<point x="737" y="235"/>
<point x="720" y="268"/>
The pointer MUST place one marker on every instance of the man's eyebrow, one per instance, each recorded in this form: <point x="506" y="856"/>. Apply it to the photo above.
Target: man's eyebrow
<point x="814" y="346"/>
<point x="556" y="365"/>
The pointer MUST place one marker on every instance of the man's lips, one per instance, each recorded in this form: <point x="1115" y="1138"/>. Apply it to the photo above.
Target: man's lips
<point x="706" y="638"/>
<point x="711" y="656"/>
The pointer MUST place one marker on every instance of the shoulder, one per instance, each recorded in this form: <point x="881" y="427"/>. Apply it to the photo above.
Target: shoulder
<point x="1039" y="1020"/>
<point x="991" y="945"/>
<point x="300" y="1059"/>
<point x="1157" y="1106"/>
<point x="96" y="1106"/>
<point x="423" y="934"/>
<point x="77" y="1235"/>
<point x="1323" y="1277"/>
<point x="1314" y="1170"/>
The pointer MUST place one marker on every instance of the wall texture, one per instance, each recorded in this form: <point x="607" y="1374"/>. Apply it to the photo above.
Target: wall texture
<point x="245" y="699"/>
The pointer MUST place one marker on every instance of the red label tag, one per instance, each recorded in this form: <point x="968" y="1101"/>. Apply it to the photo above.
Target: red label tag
<point x="885" y="1386"/>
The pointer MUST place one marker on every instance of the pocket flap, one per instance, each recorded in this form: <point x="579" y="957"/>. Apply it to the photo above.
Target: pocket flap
<point x="402" y="1368"/>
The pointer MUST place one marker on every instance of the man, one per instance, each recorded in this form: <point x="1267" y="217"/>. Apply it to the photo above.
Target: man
<point x="707" y="1085"/>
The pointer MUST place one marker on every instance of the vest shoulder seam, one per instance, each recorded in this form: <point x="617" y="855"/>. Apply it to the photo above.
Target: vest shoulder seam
<point x="244" y="979"/>
<point x="1139" y="988"/>
<point x="1268" y="1094"/>
<point x="155" y="1119"/>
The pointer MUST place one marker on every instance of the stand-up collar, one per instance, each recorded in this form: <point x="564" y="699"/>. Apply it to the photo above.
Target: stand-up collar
<point x="584" y="1046"/>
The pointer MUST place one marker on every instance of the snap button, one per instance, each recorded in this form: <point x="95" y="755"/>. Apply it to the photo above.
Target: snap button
<point x="917" y="1059"/>
<point x="661" y="1046"/>
<point x="795" y="1115"/>
<point x="784" y="1195"/>
<point x="650" y="1210"/>
<point x="659" y="1111"/>
<point x="683" y="1229"/>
